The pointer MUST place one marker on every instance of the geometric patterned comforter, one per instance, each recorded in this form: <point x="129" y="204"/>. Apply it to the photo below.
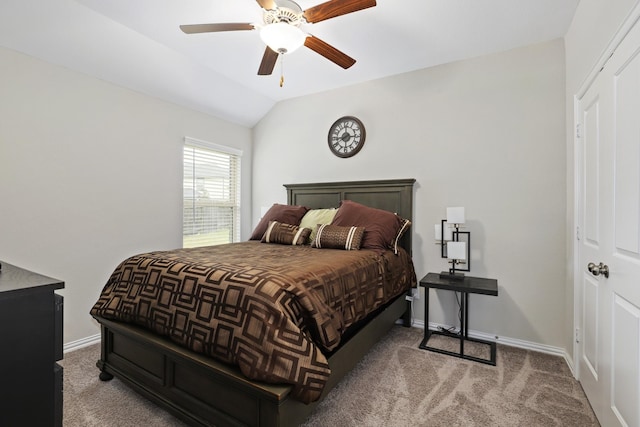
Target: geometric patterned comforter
<point x="272" y="310"/>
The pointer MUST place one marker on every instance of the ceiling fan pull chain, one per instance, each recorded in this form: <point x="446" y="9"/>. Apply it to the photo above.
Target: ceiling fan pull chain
<point x="281" y="70"/>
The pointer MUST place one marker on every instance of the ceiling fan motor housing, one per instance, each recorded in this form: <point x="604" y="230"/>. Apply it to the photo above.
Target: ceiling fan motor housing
<point x="286" y="11"/>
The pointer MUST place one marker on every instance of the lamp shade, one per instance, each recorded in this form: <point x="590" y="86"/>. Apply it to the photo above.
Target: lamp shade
<point x="282" y="37"/>
<point x="448" y="234"/>
<point x="457" y="250"/>
<point x="455" y="215"/>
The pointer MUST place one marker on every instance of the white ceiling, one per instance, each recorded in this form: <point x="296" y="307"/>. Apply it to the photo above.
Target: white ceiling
<point x="138" y="44"/>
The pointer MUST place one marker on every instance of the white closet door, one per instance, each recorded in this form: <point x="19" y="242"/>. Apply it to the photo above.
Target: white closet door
<point x="609" y="216"/>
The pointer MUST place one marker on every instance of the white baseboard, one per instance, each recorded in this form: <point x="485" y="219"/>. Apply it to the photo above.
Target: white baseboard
<point x="512" y="342"/>
<point x="83" y="342"/>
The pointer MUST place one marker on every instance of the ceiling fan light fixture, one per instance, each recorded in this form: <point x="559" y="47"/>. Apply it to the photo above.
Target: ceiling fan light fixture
<point x="282" y="37"/>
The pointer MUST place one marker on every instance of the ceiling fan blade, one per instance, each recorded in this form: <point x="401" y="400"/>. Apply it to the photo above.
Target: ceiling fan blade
<point x="267" y="4"/>
<point x="329" y="52"/>
<point x="334" y="8"/>
<point x="268" y="62"/>
<point x="213" y="28"/>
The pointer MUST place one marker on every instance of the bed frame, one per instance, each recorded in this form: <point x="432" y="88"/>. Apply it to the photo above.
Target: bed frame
<point x="204" y="392"/>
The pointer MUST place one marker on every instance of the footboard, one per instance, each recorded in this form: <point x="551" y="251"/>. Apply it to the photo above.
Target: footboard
<point x="204" y="392"/>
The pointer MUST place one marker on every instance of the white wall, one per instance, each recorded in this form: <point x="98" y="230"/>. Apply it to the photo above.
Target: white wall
<point x="594" y="25"/>
<point x="486" y="133"/>
<point x="91" y="173"/>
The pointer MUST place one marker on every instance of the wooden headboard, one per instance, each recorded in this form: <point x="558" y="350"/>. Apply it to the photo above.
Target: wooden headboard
<point x="391" y="195"/>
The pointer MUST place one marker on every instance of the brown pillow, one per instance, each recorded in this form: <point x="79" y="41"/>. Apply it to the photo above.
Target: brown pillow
<point x="287" y="214"/>
<point x="285" y="234"/>
<point x="336" y="237"/>
<point x="381" y="226"/>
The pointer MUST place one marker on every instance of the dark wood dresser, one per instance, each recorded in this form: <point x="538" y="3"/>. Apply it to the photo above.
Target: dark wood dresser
<point x="30" y="345"/>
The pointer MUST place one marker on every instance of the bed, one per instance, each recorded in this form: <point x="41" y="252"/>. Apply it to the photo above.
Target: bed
<point x="202" y="390"/>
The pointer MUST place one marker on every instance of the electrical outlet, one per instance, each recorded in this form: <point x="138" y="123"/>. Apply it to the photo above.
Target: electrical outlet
<point x="415" y="292"/>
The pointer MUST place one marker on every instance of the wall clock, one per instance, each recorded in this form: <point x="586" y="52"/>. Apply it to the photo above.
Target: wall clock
<point x="346" y="136"/>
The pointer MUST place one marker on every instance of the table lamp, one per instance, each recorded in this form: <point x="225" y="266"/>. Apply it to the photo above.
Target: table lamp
<point x="457" y="251"/>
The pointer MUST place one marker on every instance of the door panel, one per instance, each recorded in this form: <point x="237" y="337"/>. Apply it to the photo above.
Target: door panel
<point x="626" y="362"/>
<point x="627" y="157"/>
<point x="591" y="195"/>
<point x="590" y="326"/>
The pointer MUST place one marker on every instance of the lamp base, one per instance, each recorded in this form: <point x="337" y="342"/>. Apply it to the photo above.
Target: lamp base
<point x="451" y="276"/>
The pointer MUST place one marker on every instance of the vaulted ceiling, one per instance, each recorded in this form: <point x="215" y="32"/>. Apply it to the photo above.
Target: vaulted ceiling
<point x="138" y="44"/>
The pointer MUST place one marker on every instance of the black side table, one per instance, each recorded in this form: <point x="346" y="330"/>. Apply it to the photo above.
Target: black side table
<point x="466" y="286"/>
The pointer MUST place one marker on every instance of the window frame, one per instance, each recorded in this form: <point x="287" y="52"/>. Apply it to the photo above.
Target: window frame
<point x="234" y="193"/>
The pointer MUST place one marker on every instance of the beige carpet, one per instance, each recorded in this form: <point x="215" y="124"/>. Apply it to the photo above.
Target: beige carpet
<point x="397" y="384"/>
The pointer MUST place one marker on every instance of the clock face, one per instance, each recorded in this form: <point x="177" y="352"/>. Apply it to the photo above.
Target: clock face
<point x="346" y="136"/>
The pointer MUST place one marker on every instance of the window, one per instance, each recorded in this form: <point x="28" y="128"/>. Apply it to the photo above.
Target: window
<point x="211" y="194"/>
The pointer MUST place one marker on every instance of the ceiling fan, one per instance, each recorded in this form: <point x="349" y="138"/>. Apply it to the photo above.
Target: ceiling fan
<point x="281" y="29"/>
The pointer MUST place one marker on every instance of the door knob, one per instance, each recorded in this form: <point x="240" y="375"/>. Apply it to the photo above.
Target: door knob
<point x="599" y="269"/>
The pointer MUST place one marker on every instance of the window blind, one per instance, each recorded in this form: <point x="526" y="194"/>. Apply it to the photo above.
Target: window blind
<point x="211" y="194"/>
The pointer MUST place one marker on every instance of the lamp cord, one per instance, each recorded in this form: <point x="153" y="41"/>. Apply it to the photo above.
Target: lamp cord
<point x="452" y="329"/>
<point x="459" y="311"/>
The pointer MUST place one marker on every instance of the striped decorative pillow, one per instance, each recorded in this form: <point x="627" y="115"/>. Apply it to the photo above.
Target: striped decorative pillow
<point x="285" y="234"/>
<point x="338" y="237"/>
<point x="313" y="217"/>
